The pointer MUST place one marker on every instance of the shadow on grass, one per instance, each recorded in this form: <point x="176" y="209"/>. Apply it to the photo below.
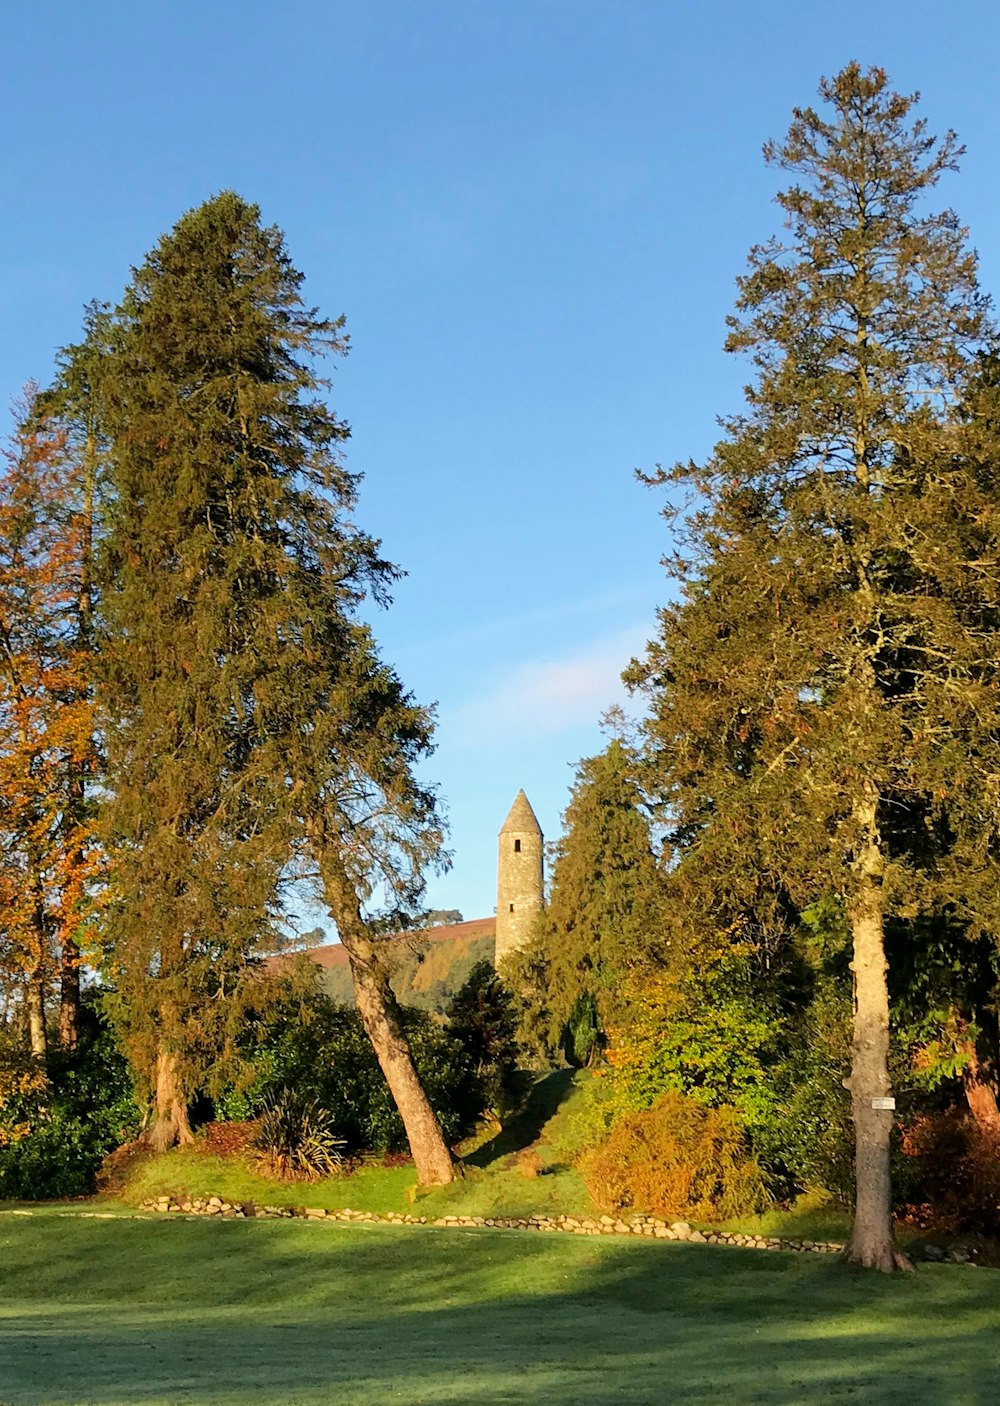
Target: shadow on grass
<point x="151" y="1314"/>
<point x="525" y="1127"/>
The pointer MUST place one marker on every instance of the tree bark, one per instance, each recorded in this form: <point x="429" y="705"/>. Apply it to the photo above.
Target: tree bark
<point x="872" y="1244"/>
<point x="69" y="958"/>
<point x="379" y="1013"/>
<point x="170" y="1124"/>
<point x="69" y="994"/>
<point x="981" y="1096"/>
<point x="34" y="1000"/>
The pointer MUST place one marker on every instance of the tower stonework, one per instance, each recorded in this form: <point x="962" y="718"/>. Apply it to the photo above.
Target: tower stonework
<point x="519" y="878"/>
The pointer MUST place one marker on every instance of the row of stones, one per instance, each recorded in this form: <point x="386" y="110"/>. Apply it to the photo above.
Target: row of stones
<point x="650" y="1226"/>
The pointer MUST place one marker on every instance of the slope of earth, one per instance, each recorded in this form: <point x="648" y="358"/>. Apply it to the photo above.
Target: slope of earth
<point x="427" y="967"/>
<point x="214" y="1313"/>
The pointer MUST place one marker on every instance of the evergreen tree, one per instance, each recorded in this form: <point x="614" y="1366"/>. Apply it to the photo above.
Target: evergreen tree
<point x="482" y="1017"/>
<point x="603" y="917"/>
<point x="251" y="724"/>
<point x="823" y="696"/>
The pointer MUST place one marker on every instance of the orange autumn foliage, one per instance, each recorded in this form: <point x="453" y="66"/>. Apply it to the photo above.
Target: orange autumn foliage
<point x="50" y="863"/>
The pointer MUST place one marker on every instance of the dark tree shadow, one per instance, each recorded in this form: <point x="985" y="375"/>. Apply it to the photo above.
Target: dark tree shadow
<point x="304" y="1316"/>
<point x="525" y="1127"/>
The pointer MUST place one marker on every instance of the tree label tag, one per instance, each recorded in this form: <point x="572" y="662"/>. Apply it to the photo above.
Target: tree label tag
<point x="883" y="1103"/>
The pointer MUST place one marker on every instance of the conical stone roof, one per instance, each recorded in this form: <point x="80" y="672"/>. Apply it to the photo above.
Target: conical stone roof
<point x="522" y="818"/>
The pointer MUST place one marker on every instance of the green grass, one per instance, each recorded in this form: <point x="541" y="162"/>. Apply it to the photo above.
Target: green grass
<point x="497" y="1191"/>
<point x="150" y="1312"/>
<point x="194" y="1172"/>
<point x="492" y="1184"/>
<point x="815" y="1216"/>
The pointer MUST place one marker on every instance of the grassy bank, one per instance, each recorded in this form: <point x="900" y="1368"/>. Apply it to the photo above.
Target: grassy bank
<point x="498" y="1178"/>
<point x="214" y="1313"/>
<point x="481" y="1192"/>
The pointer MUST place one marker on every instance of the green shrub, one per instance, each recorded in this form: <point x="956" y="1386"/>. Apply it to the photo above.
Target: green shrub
<point x="482" y="1019"/>
<point x="320" y="1050"/>
<point x="582" y="1036"/>
<point x="677" y="1158"/>
<point x="55" y="1131"/>
<point x="582" y="1120"/>
<point x="294" y="1138"/>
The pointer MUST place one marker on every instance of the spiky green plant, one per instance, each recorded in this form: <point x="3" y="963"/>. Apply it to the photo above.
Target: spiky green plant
<point x="294" y="1138"/>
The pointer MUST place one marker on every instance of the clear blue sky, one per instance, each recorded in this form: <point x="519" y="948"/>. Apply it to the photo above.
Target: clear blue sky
<point x="531" y="213"/>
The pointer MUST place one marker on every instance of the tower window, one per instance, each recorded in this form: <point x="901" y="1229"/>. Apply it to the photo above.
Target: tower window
<point x="512" y="907"/>
<point x="517" y="846"/>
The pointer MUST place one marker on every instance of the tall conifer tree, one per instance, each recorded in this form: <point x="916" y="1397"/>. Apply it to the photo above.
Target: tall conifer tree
<point x="825" y="712"/>
<point x="602" y="919"/>
<point x="250" y="721"/>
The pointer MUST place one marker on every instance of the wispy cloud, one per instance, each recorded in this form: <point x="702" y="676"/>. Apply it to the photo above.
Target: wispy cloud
<point x="533" y="618"/>
<point x="548" y="696"/>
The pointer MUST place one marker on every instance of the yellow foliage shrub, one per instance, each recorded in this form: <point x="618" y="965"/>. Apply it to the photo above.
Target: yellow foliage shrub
<point x="677" y="1158"/>
<point x="23" y="1087"/>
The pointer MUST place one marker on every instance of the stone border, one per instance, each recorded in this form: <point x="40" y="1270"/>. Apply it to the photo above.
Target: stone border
<point x="649" y="1226"/>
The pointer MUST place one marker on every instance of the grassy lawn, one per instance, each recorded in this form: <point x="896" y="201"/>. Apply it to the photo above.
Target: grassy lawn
<point x="129" y="1312"/>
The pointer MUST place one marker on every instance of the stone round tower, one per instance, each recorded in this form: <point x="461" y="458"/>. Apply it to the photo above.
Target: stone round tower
<point x="519" y="878"/>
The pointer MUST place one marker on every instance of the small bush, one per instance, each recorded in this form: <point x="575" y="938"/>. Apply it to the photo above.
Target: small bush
<point x="56" y="1129"/>
<point x="954" y="1170"/>
<point x="582" y="1120"/>
<point x="294" y="1138"/>
<point x="677" y="1158"/>
<point x="482" y="1019"/>
<point x="582" y="1037"/>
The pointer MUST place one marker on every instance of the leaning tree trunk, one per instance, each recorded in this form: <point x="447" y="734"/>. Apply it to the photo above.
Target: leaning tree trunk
<point x="871" y="1243"/>
<point x="380" y="1016"/>
<point x="170" y="1124"/>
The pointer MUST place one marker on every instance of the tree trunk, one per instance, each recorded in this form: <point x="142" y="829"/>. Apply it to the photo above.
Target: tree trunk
<point x="69" y="959"/>
<point x="69" y="994"/>
<point x="871" y="1243"/>
<point x="34" y="996"/>
<point x="981" y="1096"/>
<point x="170" y="1124"/>
<point x="34" y="1000"/>
<point x="380" y="1016"/>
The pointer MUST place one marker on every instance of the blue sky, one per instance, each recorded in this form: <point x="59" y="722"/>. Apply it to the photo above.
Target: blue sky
<point x="532" y="214"/>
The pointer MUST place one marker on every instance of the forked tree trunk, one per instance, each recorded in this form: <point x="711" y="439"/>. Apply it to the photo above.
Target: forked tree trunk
<point x="379" y="1013"/>
<point x="170" y="1124"/>
<point x="872" y="1243"/>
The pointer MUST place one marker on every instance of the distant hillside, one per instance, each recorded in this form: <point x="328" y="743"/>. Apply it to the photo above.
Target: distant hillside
<point x="428" y="967"/>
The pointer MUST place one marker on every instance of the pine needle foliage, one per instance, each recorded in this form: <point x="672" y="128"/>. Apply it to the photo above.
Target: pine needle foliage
<point x="824" y="701"/>
<point x="251" y="725"/>
<point x="602" y="919"/>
